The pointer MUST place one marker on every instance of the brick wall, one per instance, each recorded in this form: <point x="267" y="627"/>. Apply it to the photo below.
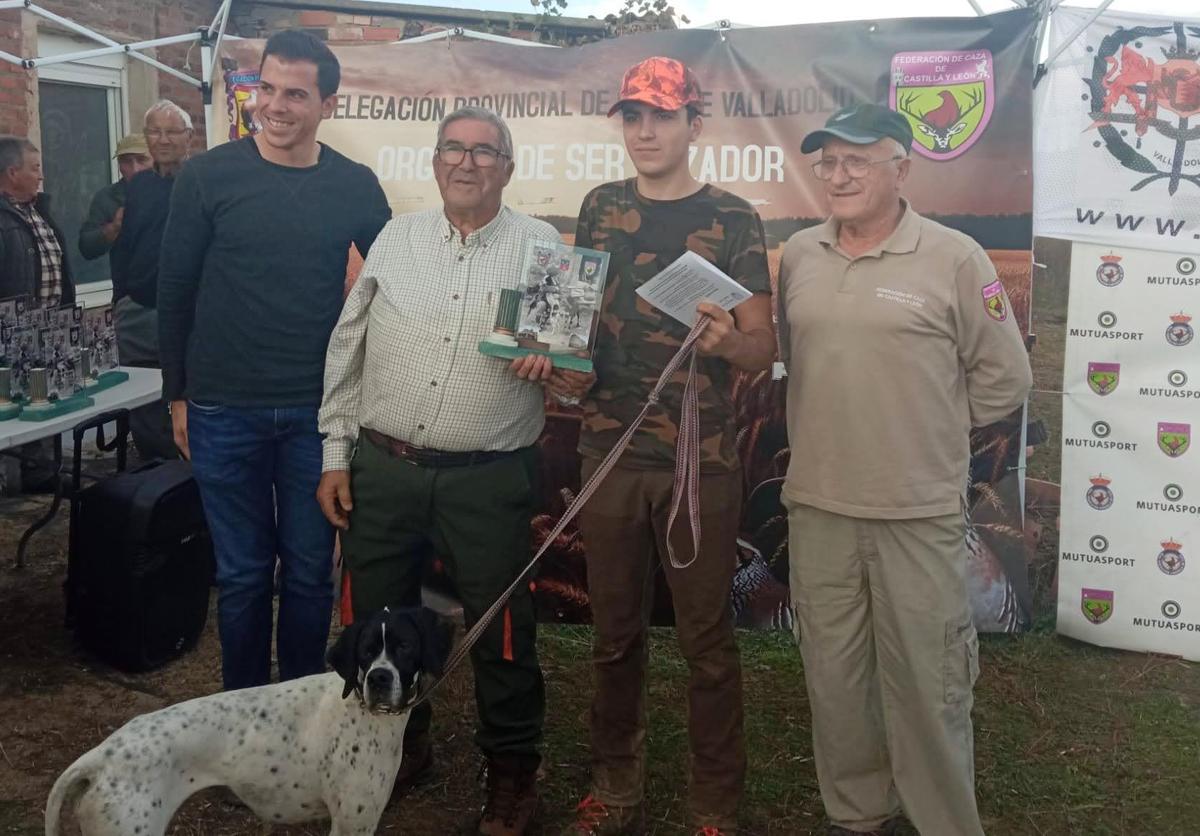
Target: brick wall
<point x="18" y="115"/>
<point x="352" y="22"/>
<point x="121" y="20"/>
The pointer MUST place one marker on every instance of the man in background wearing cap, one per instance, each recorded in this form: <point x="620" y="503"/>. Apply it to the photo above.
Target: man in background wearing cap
<point x="646" y="223"/>
<point x="134" y="259"/>
<point x="103" y="223"/>
<point x="898" y="338"/>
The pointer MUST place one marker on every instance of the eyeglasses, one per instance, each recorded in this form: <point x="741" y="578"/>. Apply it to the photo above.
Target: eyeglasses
<point x="483" y="156"/>
<point x="856" y="167"/>
<point x="169" y="133"/>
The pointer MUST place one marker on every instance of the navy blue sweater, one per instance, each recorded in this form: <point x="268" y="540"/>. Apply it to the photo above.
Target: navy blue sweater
<point x="134" y="256"/>
<point x="252" y="270"/>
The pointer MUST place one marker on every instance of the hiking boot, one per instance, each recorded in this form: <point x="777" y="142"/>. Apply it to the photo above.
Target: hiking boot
<point x="416" y="765"/>
<point x="595" y="818"/>
<point x="512" y="795"/>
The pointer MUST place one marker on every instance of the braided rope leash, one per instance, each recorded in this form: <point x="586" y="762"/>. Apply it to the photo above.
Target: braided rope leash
<point x="686" y="489"/>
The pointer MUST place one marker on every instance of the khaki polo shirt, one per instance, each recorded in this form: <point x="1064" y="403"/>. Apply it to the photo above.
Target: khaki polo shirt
<point x="892" y="357"/>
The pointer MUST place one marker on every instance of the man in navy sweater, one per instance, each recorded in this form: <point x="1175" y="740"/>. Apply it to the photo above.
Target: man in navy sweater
<point x="249" y="289"/>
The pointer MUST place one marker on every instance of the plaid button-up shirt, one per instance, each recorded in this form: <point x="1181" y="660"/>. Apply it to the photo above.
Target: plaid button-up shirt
<point x="50" y="255"/>
<point x="404" y="359"/>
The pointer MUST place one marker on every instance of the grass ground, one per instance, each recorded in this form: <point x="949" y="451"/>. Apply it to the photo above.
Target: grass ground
<point x="1071" y="740"/>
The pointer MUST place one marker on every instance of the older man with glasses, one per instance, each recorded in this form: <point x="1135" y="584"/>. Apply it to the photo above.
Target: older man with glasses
<point x="430" y="445"/>
<point x="898" y="336"/>
<point x="134" y="259"/>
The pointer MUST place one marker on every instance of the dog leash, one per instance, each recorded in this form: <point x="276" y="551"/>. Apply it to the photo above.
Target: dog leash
<point x="686" y="489"/>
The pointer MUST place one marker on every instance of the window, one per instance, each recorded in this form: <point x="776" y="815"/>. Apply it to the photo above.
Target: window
<point x="82" y="112"/>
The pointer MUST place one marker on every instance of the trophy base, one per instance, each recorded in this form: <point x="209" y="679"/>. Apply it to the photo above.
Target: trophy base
<point x="562" y="360"/>
<point x="9" y="410"/>
<point x="106" y="380"/>
<point x="501" y="339"/>
<point x="53" y="409"/>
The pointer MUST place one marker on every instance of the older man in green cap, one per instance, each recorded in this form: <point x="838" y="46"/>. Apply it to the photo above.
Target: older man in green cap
<point x="897" y="335"/>
<point x="103" y="223"/>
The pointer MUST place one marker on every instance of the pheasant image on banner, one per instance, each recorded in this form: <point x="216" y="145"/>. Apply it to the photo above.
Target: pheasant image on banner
<point x="947" y="97"/>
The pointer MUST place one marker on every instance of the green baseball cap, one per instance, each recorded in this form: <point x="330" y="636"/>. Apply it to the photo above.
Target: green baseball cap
<point x="861" y="124"/>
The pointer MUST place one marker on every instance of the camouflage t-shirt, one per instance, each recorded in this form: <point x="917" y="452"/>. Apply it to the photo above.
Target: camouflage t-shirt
<point x="636" y="340"/>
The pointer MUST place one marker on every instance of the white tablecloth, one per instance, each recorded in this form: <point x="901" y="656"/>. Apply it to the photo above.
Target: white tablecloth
<point x="143" y="386"/>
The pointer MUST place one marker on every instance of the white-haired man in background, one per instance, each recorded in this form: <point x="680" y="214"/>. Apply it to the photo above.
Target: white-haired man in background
<point x="168" y="132"/>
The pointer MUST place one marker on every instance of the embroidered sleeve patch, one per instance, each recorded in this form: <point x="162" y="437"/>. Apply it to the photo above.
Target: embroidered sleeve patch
<point x="995" y="302"/>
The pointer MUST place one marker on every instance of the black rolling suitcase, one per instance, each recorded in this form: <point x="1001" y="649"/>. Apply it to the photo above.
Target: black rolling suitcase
<point x="139" y="565"/>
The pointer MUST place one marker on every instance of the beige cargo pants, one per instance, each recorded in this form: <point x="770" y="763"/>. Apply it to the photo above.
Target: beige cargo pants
<point x="890" y="658"/>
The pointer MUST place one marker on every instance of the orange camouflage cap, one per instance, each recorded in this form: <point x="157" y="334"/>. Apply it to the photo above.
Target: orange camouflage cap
<point x="659" y="82"/>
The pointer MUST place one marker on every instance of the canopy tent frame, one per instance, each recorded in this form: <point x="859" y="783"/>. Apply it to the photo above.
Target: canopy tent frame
<point x="209" y="38"/>
<point x="110" y="46"/>
<point x="212" y="36"/>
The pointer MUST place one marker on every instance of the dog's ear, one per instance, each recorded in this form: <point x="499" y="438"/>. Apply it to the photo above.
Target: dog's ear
<point x="437" y="634"/>
<point x="343" y="657"/>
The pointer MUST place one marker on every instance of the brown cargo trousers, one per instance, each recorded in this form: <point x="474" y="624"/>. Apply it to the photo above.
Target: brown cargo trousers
<point x="890" y="658"/>
<point x="624" y="530"/>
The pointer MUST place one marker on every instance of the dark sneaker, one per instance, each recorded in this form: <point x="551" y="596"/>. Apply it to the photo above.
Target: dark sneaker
<point x="595" y="818"/>
<point x="512" y="795"/>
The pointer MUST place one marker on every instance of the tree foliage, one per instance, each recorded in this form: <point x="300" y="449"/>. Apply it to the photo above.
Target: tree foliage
<point x="633" y="16"/>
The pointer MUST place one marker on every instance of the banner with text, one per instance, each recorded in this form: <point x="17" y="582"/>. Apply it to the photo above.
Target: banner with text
<point x="1117" y="146"/>
<point x="1130" y="526"/>
<point x="964" y="83"/>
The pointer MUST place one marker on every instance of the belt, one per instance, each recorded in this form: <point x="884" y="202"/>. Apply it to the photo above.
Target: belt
<point x="425" y="457"/>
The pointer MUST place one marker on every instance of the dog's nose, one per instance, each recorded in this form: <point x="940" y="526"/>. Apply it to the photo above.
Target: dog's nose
<point x="379" y="678"/>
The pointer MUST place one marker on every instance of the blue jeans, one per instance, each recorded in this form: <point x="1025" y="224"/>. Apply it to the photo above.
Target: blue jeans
<point x="258" y="471"/>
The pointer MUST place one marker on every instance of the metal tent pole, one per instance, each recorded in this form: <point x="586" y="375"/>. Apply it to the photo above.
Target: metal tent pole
<point x="206" y="73"/>
<point x="1079" y="30"/>
<point x="96" y="36"/>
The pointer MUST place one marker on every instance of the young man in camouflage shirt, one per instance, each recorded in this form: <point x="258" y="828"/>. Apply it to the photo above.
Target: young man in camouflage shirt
<point x="646" y="223"/>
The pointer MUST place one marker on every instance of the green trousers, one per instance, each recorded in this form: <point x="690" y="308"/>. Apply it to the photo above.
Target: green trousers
<point x="476" y="519"/>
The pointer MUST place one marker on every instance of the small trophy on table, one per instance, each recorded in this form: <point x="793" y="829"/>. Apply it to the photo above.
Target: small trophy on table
<point x="39" y="391"/>
<point x="8" y="408"/>
<point x="555" y="309"/>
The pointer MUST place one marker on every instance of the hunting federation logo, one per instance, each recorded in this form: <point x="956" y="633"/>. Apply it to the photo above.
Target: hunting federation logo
<point x="1102" y="378"/>
<point x="1148" y="78"/>
<point x="1096" y="604"/>
<point x="1170" y="559"/>
<point x="947" y="97"/>
<point x="1174" y="439"/>
<point x="1180" y="331"/>
<point x="1110" y="272"/>
<point x="1100" y="495"/>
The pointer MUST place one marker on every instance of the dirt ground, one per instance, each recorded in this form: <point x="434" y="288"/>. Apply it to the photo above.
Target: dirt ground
<point x="56" y="703"/>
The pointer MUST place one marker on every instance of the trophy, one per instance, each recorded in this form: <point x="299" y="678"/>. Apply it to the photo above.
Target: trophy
<point x="86" y="370"/>
<point x="555" y="309"/>
<point x="507" y="313"/>
<point x="8" y="409"/>
<point x="39" y="399"/>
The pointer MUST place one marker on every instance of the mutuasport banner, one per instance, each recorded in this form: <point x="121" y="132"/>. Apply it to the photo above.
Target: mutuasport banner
<point x="965" y="85"/>
<point x="1118" y="142"/>
<point x="1130" y="526"/>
